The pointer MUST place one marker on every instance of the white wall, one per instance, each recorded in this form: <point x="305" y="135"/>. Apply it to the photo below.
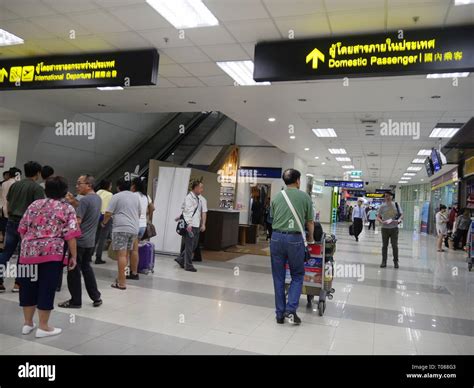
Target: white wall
<point x="9" y="134"/>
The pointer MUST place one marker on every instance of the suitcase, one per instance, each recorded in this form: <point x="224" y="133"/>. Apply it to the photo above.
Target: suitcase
<point x="351" y="229"/>
<point x="146" y="257"/>
<point x="318" y="232"/>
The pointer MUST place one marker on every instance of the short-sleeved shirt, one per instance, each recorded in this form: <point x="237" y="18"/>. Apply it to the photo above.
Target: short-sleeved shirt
<point x="387" y="212"/>
<point x="192" y="208"/>
<point x="47" y="223"/>
<point x="145" y="200"/>
<point x="283" y="219"/>
<point x="21" y="195"/>
<point x="203" y="204"/>
<point x="105" y="196"/>
<point x="89" y="212"/>
<point x="126" y="209"/>
<point x="372" y="215"/>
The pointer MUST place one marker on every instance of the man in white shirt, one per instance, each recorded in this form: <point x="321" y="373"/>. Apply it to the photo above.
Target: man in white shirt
<point x="192" y="216"/>
<point x="358" y="218"/>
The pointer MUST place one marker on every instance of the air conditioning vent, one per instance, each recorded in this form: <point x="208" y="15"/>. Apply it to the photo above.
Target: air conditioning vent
<point x="372" y="154"/>
<point x="368" y="121"/>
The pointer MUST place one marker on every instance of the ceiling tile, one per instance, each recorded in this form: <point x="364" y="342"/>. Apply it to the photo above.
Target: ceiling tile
<point x="304" y="26"/>
<point x="355" y="22"/>
<point x="172" y="71"/>
<point x="166" y="37"/>
<point x="204" y="69"/>
<point x="117" y="3"/>
<point x="165" y="60"/>
<point x="343" y="5"/>
<point x="140" y="17"/>
<point x="228" y="52"/>
<point x="249" y="49"/>
<point x="28" y="8"/>
<point x="186" y="54"/>
<point x="57" y="46"/>
<point x="66" y="6"/>
<point x="59" y="26"/>
<point x="186" y="82"/>
<point x="164" y="83"/>
<point x="5" y="14"/>
<point x="253" y="30"/>
<point x="99" y="22"/>
<point x="91" y="43"/>
<point x="236" y="9"/>
<point x="281" y="8"/>
<point x="26" y="30"/>
<point x="217" y="80"/>
<point x="125" y="40"/>
<point x="402" y="17"/>
<point x="209" y="35"/>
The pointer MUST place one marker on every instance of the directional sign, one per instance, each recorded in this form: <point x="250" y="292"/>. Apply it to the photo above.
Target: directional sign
<point x="3" y="74"/>
<point x="403" y="52"/>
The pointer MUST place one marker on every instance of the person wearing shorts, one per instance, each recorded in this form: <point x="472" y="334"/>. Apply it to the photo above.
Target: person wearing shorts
<point x="125" y="208"/>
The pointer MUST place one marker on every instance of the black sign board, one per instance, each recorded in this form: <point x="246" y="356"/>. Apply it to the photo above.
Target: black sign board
<point x="344" y="184"/>
<point x="429" y="166"/>
<point x="384" y="54"/>
<point x="126" y="68"/>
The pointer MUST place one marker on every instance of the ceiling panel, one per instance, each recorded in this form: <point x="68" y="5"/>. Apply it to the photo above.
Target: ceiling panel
<point x="186" y="82"/>
<point x="26" y="30"/>
<point x="164" y="83"/>
<point x="253" y="30"/>
<point x="460" y="15"/>
<point x="209" y="35"/>
<point x="304" y="26"/>
<point x="5" y="14"/>
<point x="59" y="26"/>
<point x="338" y="5"/>
<point x="166" y="38"/>
<point x="357" y="21"/>
<point x="140" y="17"/>
<point x="172" y="71"/>
<point x="217" y="80"/>
<point x="100" y="22"/>
<point x="237" y="9"/>
<point x="402" y="17"/>
<point x="279" y="8"/>
<point x="228" y="52"/>
<point x="92" y="43"/>
<point x="186" y="54"/>
<point x="126" y="40"/>
<point x="27" y="8"/>
<point x="204" y="69"/>
<point x="66" y="6"/>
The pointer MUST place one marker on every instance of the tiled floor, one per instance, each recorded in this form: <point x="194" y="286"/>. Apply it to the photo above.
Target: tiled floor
<point x="425" y="307"/>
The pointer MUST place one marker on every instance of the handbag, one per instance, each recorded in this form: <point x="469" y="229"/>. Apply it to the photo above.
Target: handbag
<point x="182" y="224"/>
<point x="307" y="254"/>
<point x="150" y="231"/>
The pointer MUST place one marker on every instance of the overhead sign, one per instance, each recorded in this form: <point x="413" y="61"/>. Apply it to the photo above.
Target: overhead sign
<point x="356" y="174"/>
<point x="445" y="179"/>
<point x="384" y="54"/>
<point x="374" y="195"/>
<point x="344" y="184"/>
<point x="125" y="68"/>
<point x="262" y="172"/>
<point x="469" y="167"/>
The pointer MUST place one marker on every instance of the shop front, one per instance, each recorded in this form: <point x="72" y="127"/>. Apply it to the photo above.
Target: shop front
<point x="444" y="191"/>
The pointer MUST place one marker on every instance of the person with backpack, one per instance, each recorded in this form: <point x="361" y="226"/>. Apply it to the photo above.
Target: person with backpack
<point x="192" y="215"/>
<point x="291" y="209"/>
<point x="390" y="215"/>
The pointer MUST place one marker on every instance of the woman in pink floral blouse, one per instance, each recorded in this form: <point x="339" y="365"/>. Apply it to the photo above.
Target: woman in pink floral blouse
<point x="44" y="228"/>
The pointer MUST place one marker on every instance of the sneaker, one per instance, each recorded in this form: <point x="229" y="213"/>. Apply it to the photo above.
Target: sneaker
<point x="97" y="303"/>
<point x="383" y="265"/>
<point x="192" y="269"/>
<point x="179" y="262"/>
<point x="68" y="305"/>
<point x="43" y="333"/>
<point x="395" y="265"/>
<point x="2" y="288"/>
<point x="293" y="318"/>
<point x="280" y="321"/>
<point x="97" y="261"/>
<point x="16" y="288"/>
<point x="28" y="329"/>
<point x="133" y="277"/>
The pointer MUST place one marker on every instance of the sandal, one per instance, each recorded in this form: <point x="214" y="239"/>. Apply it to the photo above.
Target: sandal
<point x="118" y="286"/>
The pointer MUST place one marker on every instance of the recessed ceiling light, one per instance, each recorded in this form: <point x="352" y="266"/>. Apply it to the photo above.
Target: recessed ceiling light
<point x="240" y="71"/>
<point x="463" y="2"/>
<point x="324" y="132"/>
<point x="418" y="161"/>
<point x="348" y="166"/>
<point x="316" y="157"/>
<point x="310" y="175"/>
<point x="448" y="75"/>
<point x="323" y="163"/>
<point x="444" y="132"/>
<point x="306" y="149"/>
<point x="292" y="137"/>
<point x="422" y="180"/>
<point x="405" y="178"/>
<point x="185" y="13"/>
<point x="343" y="159"/>
<point x="110" y="88"/>
<point x="8" y="39"/>
<point x="338" y="151"/>
<point x="412" y="168"/>
<point x="424" y="153"/>
<point x="409" y="174"/>
<point x="402" y="182"/>
<point x="271" y="119"/>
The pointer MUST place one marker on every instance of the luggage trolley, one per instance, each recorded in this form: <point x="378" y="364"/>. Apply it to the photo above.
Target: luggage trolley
<point x="318" y="273"/>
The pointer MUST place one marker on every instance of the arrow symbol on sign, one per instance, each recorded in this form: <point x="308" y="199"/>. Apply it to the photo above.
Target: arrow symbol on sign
<point x="3" y="74"/>
<point x="315" y="55"/>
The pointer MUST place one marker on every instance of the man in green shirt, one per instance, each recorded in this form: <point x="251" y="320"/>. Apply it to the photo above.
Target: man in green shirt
<point x="19" y="197"/>
<point x="287" y="244"/>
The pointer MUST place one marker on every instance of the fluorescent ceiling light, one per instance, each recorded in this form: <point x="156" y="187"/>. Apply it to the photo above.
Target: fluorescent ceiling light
<point x="316" y="157"/>
<point x="418" y="161"/>
<point x="306" y="149"/>
<point x="463" y="2"/>
<point x="405" y="178"/>
<point x="343" y="159"/>
<point x="292" y="137"/>
<point x="324" y="132"/>
<point x="339" y="151"/>
<point x="110" y="88"/>
<point x="409" y="174"/>
<point x="402" y="182"/>
<point x="424" y="153"/>
<point x="323" y="163"/>
<point x="348" y="166"/>
<point x="448" y="75"/>
<point x="8" y="39"/>
<point x="271" y="119"/>
<point x="411" y="168"/>
<point x="443" y="132"/>
<point x="241" y="72"/>
<point x="310" y="175"/>
<point x="185" y="13"/>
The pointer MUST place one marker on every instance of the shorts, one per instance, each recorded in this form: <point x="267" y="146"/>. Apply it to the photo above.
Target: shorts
<point x="141" y="232"/>
<point x="40" y="292"/>
<point x="122" y="241"/>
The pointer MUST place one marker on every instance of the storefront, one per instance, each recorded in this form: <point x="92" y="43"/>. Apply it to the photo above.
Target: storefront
<point x="467" y="184"/>
<point x="413" y="200"/>
<point x="444" y="191"/>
